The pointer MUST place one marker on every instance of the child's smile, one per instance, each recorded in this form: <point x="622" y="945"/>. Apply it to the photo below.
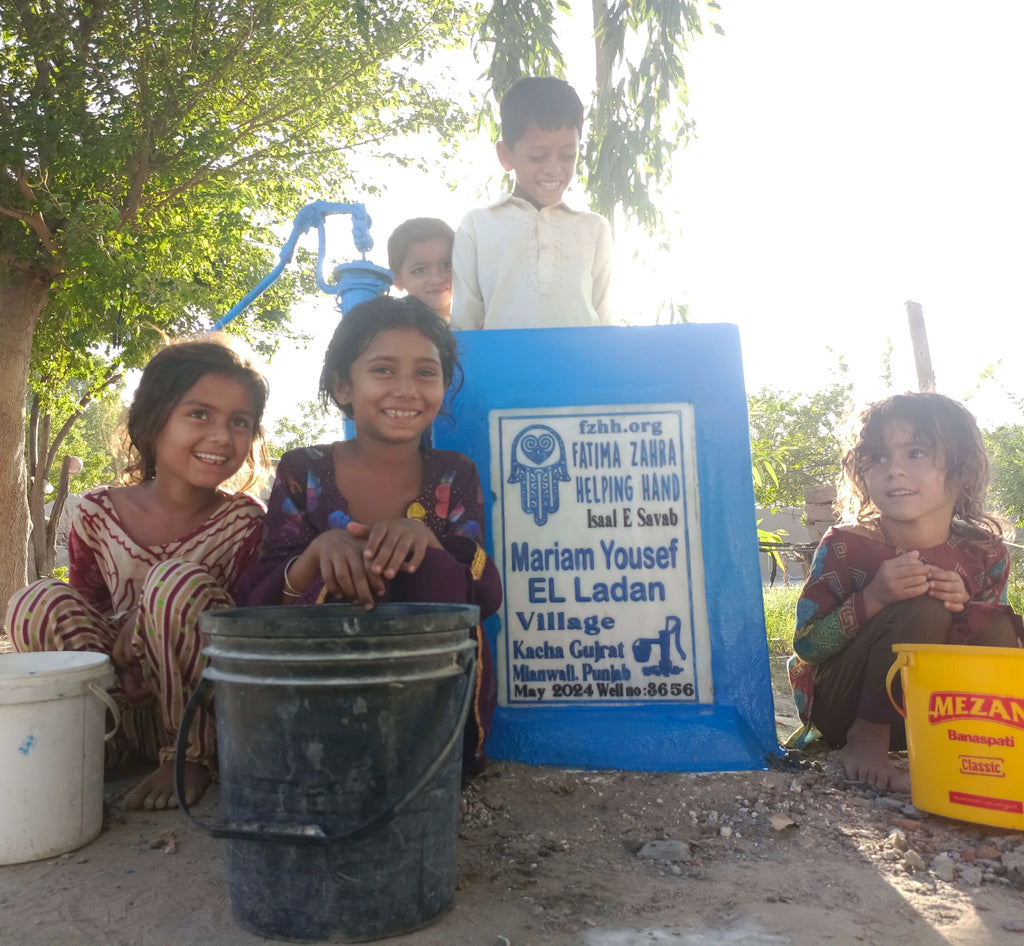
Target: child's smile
<point x="214" y="459"/>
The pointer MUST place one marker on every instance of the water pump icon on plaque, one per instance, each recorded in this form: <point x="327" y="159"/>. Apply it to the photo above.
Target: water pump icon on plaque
<point x="597" y="536"/>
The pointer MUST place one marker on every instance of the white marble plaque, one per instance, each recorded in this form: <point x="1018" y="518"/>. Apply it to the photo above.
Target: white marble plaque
<point x="597" y="536"/>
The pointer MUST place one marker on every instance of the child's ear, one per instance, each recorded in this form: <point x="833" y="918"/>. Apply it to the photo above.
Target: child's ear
<point x="341" y="388"/>
<point x="504" y="154"/>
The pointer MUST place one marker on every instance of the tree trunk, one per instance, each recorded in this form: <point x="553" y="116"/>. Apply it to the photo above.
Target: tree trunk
<point x="21" y="303"/>
<point x="39" y="434"/>
<point x="42" y="451"/>
<point x="60" y="497"/>
<point x="602" y="60"/>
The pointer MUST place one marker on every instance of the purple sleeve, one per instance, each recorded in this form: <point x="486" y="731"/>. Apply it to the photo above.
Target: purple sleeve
<point x="464" y="539"/>
<point x="286" y="533"/>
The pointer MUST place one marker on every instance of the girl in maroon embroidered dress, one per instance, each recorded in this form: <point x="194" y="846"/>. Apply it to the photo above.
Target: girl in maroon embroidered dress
<point x="147" y="558"/>
<point x="379" y="517"/>
<point x="919" y="562"/>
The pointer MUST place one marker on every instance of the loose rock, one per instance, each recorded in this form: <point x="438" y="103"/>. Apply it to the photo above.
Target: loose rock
<point x="666" y="849"/>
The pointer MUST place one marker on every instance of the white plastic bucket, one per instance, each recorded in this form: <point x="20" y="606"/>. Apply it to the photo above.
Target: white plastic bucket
<point x="52" y="711"/>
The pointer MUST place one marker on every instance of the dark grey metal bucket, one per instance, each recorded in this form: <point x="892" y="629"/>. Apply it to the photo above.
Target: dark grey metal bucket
<point x="339" y="736"/>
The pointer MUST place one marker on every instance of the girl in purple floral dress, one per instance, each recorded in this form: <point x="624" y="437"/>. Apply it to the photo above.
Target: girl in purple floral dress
<point x="379" y="517"/>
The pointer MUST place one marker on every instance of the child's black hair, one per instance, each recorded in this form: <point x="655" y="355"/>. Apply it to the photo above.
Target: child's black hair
<point x="169" y="375"/>
<point x="415" y="230"/>
<point x="544" y="101"/>
<point x="362" y="323"/>
<point x="939" y="422"/>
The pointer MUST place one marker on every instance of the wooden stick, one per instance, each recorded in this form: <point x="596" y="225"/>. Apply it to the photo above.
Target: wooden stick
<point x="919" y="339"/>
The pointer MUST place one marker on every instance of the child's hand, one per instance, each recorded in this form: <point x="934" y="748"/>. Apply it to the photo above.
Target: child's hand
<point x="948" y="587"/>
<point x="897" y="579"/>
<point x="129" y="669"/>
<point x="344" y="569"/>
<point x="394" y="545"/>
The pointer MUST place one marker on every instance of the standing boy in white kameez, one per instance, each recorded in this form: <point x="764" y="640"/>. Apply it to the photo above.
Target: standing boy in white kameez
<point x="528" y="260"/>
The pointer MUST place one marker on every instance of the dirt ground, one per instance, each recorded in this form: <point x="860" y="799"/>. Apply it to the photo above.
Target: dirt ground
<point x="555" y="857"/>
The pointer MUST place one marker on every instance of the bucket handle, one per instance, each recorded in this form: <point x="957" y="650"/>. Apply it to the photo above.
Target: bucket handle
<point x="298" y="833"/>
<point x="104" y="697"/>
<point x="901" y="661"/>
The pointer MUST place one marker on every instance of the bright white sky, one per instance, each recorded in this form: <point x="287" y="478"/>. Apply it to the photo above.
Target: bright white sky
<point x="847" y="158"/>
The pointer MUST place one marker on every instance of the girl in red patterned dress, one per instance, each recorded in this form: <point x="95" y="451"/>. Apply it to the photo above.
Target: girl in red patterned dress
<point x="919" y="562"/>
<point x="380" y="517"/>
<point x="146" y="559"/>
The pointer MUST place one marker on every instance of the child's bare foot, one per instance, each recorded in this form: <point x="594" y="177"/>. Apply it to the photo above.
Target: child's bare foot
<point x="156" y="791"/>
<point x="866" y="757"/>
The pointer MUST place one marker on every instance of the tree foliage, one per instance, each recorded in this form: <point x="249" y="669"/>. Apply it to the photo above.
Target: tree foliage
<point x="1005" y="447"/>
<point x="637" y="119"/>
<point x="146" y="149"/>
<point x="316" y="424"/>
<point x="795" y="440"/>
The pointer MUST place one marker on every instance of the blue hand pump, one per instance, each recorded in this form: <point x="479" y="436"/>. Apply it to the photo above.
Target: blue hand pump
<point x="354" y="282"/>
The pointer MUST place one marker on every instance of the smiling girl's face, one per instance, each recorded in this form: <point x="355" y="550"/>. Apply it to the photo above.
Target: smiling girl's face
<point x="208" y="434"/>
<point x="395" y="386"/>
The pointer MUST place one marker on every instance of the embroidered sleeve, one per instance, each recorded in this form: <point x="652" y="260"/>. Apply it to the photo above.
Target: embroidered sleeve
<point x="830" y="609"/>
<point x="996" y="578"/>
<point x="463" y="536"/>
<point x="84" y="573"/>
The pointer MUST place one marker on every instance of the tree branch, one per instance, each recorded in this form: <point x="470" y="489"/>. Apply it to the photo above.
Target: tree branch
<point x="86" y="400"/>
<point x="35" y="221"/>
<point x="265" y="120"/>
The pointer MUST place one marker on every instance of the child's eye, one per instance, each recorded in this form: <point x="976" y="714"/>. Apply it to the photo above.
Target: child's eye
<point x="428" y="372"/>
<point x="447" y="266"/>
<point x="917" y="453"/>
<point x="380" y="369"/>
<point x="198" y="413"/>
<point x="877" y="457"/>
<point x="241" y="422"/>
<point x="418" y="271"/>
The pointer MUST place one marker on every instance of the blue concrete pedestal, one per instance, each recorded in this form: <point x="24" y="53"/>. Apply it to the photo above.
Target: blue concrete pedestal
<point x="615" y="464"/>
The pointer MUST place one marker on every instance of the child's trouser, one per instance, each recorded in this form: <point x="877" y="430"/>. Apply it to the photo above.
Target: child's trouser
<point x="851" y="684"/>
<point x="50" y="615"/>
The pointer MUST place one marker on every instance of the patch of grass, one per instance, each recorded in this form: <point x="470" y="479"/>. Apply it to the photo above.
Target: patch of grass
<point x="780" y="618"/>
<point x="1015" y="584"/>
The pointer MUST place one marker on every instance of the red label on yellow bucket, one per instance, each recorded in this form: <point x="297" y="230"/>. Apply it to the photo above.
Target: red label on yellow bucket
<point x="983" y="801"/>
<point x="945" y="706"/>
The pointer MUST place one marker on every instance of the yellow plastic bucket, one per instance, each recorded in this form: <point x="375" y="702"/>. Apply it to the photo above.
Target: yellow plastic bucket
<point x="964" y="708"/>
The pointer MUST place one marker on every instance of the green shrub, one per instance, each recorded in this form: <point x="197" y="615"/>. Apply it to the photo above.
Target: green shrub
<point x="1015" y="585"/>
<point x="780" y="618"/>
